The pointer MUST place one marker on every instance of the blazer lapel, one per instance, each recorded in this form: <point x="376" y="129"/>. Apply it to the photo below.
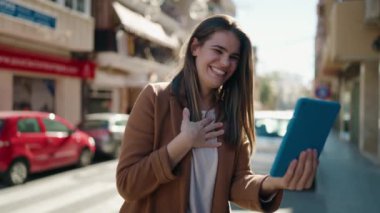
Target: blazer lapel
<point x="176" y="115"/>
<point x="183" y="168"/>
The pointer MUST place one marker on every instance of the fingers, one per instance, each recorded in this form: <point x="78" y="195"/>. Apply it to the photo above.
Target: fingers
<point x="300" y="174"/>
<point x="214" y="134"/>
<point x="211" y="130"/>
<point x="307" y="172"/>
<point x="309" y="183"/>
<point x="204" y="122"/>
<point x="298" y="171"/>
<point x="212" y="145"/>
<point x="213" y="126"/>
<point x="185" y="114"/>
<point x="289" y="174"/>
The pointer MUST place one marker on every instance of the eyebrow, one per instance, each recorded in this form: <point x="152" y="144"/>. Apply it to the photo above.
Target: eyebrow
<point x="223" y="48"/>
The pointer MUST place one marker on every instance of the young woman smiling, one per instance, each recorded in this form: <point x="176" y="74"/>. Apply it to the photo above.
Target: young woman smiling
<point x="187" y="144"/>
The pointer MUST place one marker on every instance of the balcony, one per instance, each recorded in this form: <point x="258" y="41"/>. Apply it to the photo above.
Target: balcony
<point x="349" y="38"/>
<point x="130" y="65"/>
<point x="68" y="30"/>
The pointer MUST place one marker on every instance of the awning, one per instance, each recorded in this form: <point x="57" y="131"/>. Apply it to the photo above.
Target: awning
<point x="107" y="79"/>
<point x="137" y="24"/>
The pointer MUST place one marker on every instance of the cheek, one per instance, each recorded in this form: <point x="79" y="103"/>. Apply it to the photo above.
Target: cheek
<point x="233" y="68"/>
<point x="230" y="74"/>
<point x="198" y="64"/>
<point x="201" y="63"/>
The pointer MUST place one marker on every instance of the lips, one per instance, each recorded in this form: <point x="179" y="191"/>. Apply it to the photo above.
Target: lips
<point x="218" y="72"/>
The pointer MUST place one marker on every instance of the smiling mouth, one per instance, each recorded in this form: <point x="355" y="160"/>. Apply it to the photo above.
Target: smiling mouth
<point x="218" y="72"/>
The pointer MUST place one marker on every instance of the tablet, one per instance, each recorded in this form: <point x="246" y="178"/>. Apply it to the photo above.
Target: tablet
<point x="308" y="128"/>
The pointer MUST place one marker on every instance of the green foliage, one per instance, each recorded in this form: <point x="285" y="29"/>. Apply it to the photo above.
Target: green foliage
<point x="268" y="95"/>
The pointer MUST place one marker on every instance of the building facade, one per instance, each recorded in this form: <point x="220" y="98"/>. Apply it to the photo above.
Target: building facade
<point x="136" y="42"/>
<point x="45" y="49"/>
<point x="347" y="63"/>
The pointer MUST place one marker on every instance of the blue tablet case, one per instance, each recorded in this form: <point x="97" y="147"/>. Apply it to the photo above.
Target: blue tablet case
<point x="309" y="127"/>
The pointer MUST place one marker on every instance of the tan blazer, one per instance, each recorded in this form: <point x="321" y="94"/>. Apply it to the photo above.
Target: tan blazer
<point x="145" y="179"/>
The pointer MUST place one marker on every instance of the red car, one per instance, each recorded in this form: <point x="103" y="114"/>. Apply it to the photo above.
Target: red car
<point x="33" y="142"/>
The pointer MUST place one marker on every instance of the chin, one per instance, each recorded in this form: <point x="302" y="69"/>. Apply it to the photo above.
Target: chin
<point x="217" y="86"/>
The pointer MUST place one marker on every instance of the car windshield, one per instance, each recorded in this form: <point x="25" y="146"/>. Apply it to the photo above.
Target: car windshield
<point x="94" y="124"/>
<point x="121" y="123"/>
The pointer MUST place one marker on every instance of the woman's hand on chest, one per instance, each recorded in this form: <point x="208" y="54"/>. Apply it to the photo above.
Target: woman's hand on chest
<point x="199" y="133"/>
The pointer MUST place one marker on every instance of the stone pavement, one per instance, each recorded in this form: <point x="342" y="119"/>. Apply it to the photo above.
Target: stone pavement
<point x="346" y="182"/>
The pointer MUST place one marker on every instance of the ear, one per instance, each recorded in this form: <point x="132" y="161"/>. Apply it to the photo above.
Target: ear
<point x="194" y="46"/>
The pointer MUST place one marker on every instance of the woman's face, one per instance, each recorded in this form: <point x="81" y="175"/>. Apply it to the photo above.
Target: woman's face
<point x="216" y="60"/>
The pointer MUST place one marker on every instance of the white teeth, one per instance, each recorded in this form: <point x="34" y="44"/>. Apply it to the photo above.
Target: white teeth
<point x="218" y="71"/>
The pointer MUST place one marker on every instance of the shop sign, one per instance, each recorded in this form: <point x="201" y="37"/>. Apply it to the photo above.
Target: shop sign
<point x="31" y="15"/>
<point x="32" y="62"/>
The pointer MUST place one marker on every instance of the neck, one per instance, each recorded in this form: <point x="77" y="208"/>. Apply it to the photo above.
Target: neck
<point x="207" y="99"/>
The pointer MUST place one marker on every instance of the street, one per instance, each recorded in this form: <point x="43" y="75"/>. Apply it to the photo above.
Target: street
<point x="89" y="189"/>
<point x="346" y="182"/>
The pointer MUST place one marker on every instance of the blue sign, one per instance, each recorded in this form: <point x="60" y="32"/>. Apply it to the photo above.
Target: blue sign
<point x="18" y="11"/>
<point x="323" y="92"/>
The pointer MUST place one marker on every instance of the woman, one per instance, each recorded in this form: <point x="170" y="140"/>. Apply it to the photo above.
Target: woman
<point x="188" y="143"/>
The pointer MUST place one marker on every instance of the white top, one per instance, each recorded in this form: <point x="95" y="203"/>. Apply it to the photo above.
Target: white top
<point x="203" y="172"/>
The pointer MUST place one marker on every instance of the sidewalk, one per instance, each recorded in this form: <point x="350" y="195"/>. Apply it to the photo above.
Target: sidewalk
<point x="346" y="182"/>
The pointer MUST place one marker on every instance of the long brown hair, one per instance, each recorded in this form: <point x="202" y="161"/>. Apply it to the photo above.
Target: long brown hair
<point x="235" y="96"/>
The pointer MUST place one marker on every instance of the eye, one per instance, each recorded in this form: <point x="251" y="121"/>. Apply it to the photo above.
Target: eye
<point x="218" y="51"/>
<point x="235" y="58"/>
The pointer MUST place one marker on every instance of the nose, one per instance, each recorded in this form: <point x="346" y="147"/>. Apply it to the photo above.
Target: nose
<point x="225" y="61"/>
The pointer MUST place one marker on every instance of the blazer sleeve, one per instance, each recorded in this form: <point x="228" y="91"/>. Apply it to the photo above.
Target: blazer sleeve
<point x="141" y="169"/>
<point x="246" y="185"/>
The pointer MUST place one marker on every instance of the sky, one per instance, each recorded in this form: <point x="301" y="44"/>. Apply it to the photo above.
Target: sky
<point x="283" y="32"/>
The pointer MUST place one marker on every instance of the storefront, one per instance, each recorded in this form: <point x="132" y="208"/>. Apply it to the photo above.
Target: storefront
<point x="41" y="82"/>
<point x="33" y="94"/>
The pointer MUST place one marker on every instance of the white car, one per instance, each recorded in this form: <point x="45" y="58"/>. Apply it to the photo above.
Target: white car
<point x="270" y="128"/>
<point x="107" y="129"/>
<point x="272" y="123"/>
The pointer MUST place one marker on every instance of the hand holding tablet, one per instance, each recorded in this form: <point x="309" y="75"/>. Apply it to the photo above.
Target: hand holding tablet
<point x="295" y="164"/>
<point x="308" y="129"/>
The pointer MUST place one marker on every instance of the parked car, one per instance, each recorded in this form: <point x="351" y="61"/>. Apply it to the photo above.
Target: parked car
<point x="272" y="123"/>
<point x="33" y="142"/>
<point x="107" y="129"/>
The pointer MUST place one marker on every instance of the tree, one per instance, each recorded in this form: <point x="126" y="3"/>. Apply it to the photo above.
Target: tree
<point x="268" y="94"/>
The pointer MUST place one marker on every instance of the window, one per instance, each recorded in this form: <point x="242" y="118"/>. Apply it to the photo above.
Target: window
<point x="25" y="88"/>
<point x="94" y="124"/>
<point x="2" y="124"/>
<point x="28" y="125"/>
<point x="69" y="3"/>
<point x="81" y="6"/>
<point x="55" y="126"/>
